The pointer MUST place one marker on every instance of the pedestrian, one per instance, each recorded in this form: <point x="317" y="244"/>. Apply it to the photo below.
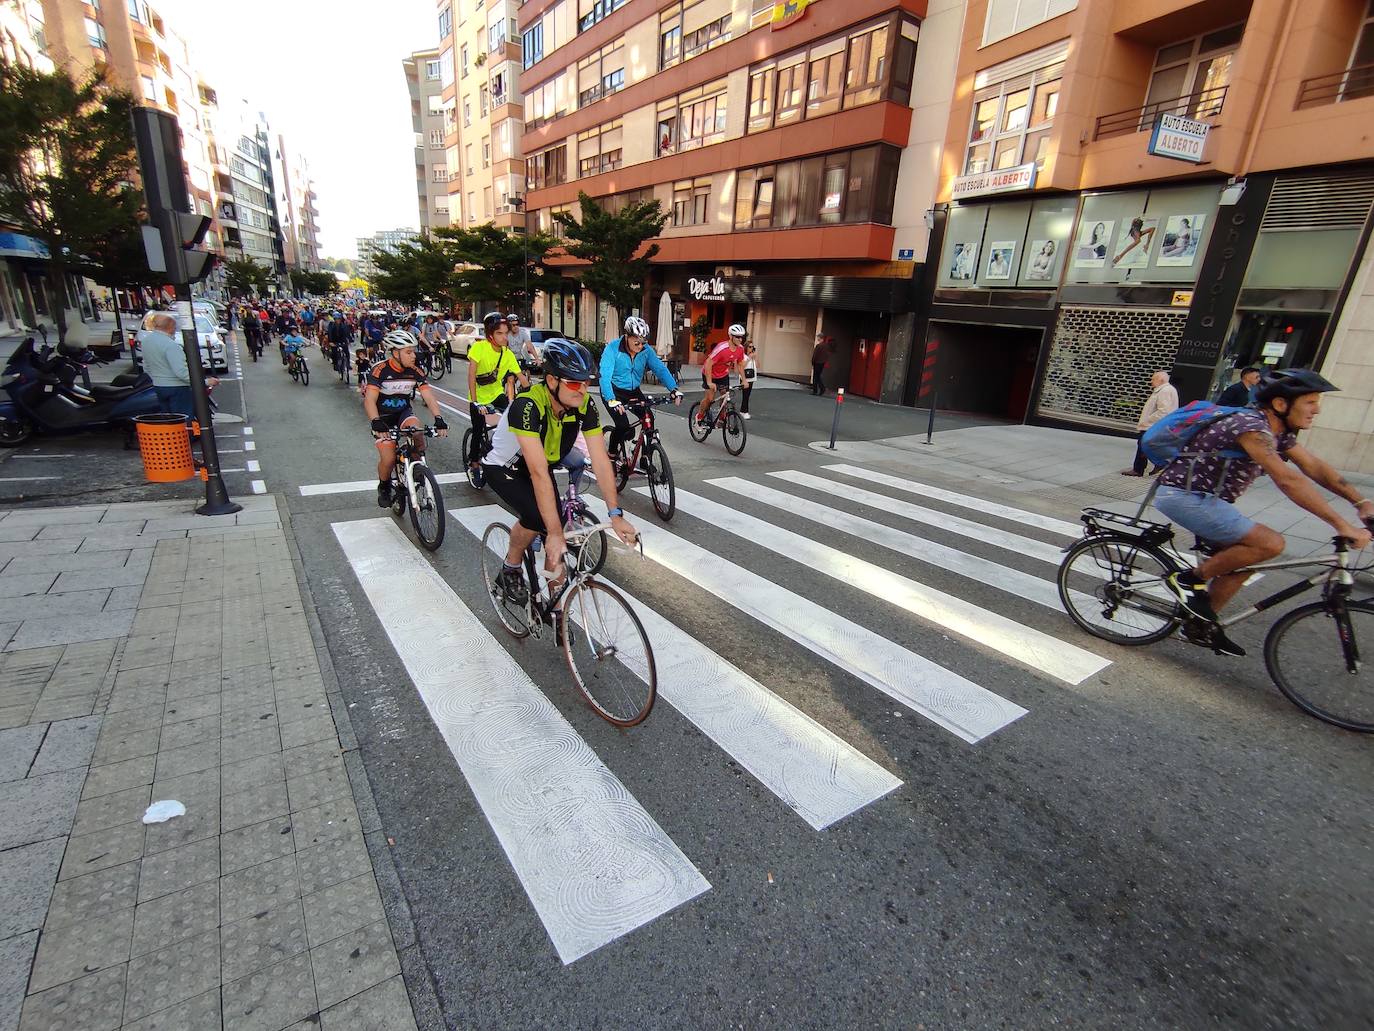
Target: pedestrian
<point x="1240" y="393"/>
<point x="751" y="373"/>
<point x="820" y="357"/>
<point x="164" y="360"/>
<point x="1163" y="399"/>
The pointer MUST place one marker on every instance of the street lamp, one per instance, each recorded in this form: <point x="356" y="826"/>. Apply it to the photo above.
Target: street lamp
<point x="518" y="203"/>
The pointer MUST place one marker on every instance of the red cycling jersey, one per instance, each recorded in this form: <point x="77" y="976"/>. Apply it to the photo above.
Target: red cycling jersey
<point x="722" y="356"/>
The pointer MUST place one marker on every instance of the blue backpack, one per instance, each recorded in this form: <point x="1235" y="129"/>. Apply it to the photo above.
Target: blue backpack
<point x="1169" y="438"/>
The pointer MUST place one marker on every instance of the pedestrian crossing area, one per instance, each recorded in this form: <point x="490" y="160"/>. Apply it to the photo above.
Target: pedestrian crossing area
<point x="593" y="861"/>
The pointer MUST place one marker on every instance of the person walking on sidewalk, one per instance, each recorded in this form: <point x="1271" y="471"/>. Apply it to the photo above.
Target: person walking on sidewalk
<point x="164" y="360"/>
<point x="751" y="373"/>
<point x="820" y="357"/>
<point x="1163" y="399"/>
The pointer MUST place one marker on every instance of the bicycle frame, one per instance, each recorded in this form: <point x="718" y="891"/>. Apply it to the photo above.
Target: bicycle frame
<point x="543" y="608"/>
<point x="405" y="458"/>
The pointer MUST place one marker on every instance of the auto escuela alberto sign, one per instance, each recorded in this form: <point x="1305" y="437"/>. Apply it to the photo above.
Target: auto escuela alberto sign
<point x="1001" y="180"/>
<point x="1177" y="137"/>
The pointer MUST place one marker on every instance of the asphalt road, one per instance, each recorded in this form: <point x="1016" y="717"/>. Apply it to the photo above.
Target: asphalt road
<point x="1163" y="843"/>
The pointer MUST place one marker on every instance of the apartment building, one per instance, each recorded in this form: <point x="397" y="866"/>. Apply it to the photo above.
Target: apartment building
<point x="424" y="77"/>
<point x="1139" y="184"/>
<point x="384" y="240"/>
<point x="296" y="206"/>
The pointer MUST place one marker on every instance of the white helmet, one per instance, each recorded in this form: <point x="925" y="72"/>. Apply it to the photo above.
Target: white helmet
<point x="636" y="327"/>
<point x="737" y="331"/>
<point x="397" y="339"/>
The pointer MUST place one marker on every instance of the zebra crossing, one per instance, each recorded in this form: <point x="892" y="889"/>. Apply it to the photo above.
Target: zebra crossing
<point x="593" y="862"/>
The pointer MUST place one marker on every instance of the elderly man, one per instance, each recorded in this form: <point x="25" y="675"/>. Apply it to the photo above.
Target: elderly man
<point x="164" y="360"/>
<point x="1163" y="399"/>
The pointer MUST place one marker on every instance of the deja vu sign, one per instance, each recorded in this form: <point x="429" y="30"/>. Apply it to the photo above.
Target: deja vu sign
<point x="712" y="288"/>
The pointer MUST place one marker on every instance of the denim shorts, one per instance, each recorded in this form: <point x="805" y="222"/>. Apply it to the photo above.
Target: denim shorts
<point x="1206" y="515"/>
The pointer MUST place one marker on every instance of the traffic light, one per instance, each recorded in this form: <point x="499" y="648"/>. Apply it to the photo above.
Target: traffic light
<point x="191" y="230"/>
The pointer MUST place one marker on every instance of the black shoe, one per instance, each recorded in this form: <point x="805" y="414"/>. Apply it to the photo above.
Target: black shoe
<point x="1223" y="645"/>
<point x="1192" y="596"/>
<point x="1209" y="635"/>
<point x="384" y="495"/>
<point x="511" y="584"/>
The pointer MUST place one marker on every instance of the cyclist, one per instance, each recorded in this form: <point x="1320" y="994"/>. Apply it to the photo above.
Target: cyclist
<point x="622" y="370"/>
<point x="536" y="433"/>
<point x="1198" y="490"/>
<point x="291" y="345"/>
<point x="518" y="340"/>
<point x="391" y="386"/>
<point x="726" y="356"/>
<point x="492" y="375"/>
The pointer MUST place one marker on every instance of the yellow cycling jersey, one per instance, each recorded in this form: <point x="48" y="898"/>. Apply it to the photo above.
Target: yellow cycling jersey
<point x="492" y="369"/>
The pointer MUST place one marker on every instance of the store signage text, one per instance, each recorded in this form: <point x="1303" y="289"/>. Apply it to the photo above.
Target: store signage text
<point x="1002" y="180"/>
<point x="1181" y="299"/>
<point x="1177" y="137"/>
<point x="712" y="289"/>
<point x="17" y="245"/>
<point x="1204" y="350"/>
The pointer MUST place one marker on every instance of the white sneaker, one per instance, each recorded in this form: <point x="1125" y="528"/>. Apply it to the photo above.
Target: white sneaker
<point x="746" y="415"/>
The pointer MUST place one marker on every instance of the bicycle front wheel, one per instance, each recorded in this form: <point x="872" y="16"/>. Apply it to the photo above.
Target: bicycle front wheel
<point x="436" y="370"/>
<point x="661" y="489"/>
<point x="427" y="510"/>
<point x="735" y="434"/>
<point x="1310" y="653"/>
<point x="608" y="653"/>
<point x="1113" y="587"/>
<point x="591" y="554"/>
<point x="515" y="618"/>
<point x="305" y="375"/>
<point x="699" y="430"/>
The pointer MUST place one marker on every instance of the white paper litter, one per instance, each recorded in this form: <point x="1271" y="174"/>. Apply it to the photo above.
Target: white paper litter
<point x="161" y="812"/>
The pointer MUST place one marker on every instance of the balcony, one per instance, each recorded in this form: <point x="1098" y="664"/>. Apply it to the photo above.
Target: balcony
<point x="1351" y="84"/>
<point x="1203" y="104"/>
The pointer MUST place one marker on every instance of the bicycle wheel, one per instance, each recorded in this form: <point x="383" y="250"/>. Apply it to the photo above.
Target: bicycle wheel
<point x="1306" y="653"/>
<point x="1113" y="588"/>
<point x="495" y="542"/>
<point x="608" y="653"/>
<point x="427" y="510"/>
<point x="305" y="375"/>
<point x="621" y="463"/>
<point x="591" y="555"/>
<point x="295" y="372"/>
<point x="699" y="430"/>
<point x="436" y="370"/>
<point x="661" y="489"/>
<point x="473" y="473"/>
<point x="734" y="432"/>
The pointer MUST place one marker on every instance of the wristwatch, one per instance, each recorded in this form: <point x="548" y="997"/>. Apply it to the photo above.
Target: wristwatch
<point x="613" y="512"/>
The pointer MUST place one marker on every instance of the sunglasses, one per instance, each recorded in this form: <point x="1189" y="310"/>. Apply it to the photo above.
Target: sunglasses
<point x="576" y="386"/>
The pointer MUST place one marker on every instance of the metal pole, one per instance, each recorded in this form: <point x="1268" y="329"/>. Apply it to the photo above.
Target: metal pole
<point x="930" y="422"/>
<point x="835" y="423"/>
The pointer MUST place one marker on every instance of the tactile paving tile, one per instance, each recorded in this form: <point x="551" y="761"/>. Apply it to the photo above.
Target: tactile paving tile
<point x="94" y="1003"/>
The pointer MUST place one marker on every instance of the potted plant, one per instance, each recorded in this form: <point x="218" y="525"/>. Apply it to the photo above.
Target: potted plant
<point x="700" y="328"/>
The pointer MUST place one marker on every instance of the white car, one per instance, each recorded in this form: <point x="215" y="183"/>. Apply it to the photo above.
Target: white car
<point x="213" y="355"/>
<point x="461" y="335"/>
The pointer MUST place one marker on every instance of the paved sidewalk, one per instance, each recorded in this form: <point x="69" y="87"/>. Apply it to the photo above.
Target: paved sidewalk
<point x="260" y="907"/>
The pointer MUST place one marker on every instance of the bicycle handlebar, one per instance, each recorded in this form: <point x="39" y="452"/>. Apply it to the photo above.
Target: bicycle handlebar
<point x="651" y="401"/>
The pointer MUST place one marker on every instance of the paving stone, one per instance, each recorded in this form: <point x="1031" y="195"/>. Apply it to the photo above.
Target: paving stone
<point x="102" y="849"/>
<point x="383" y="1007"/>
<point x="75" y="950"/>
<point x="334" y="821"/>
<point x="343" y="907"/>
<point x="192" y="731"/>
<point x="293" y="707"/>
<point x="121" y="744"/>
<point x="9" y="549"/>
<point x="317" y="755"/>
<point x="69" y="744"/>
<point x="189" y="789"/>
<point x="37" y="605"/>
<point x="191" y="759"/>
<point x="50" y="710"/>
<point x="248" y="719"/>
<point x="118" y="776"/>
<point x="254" y="805"/>
<point x="95" y="579"/>
<point x="313" y="728"/>
<point x="16" y="957"/>
<point x="199" y="1014"/>
<point x="131" y="721"/>
<point x="94" y="1003"/>
<point x="38" y="807"/>
<point x="93" y="895"/>
<point x="260" y="887"/>
<point x="27" y="875"/>
<point x="262" y="939"/>
<point x="193" y="685"/>
<point x="51" y="516"/>
<point x="98" y="626"/>
<point x="142" y="676"/>
<point x="14" y="584"/>
<point x="179" y="868"/>
<point x="200" y="821"/>
<point x="179" y="709"/>
<point x="18" y="746"/>
<point x="56" y="564"/>
<point x="261" y="741"/>
<point x="106" y="811"/>
<point x="126" y="541"/>
<point x="271" y="998"/>
<point x="313" y="789"/>
<point x="179" y="972"/>
<point x="331" y="863"/>
<point x="256" y="843"/>
<point x="250" y="773"/>
<point x="129" y="697"/>
<point x="354" y="962"/>
<point x="123" y="598"/>
<point x="176" y="917"/>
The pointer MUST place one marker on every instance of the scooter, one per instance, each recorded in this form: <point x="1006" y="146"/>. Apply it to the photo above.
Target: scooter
<point x="39" y="393"/>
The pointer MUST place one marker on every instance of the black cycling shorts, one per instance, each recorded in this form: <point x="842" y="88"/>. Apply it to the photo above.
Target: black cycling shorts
<point x="721" y="384"/>
<point x="516" y="489"/>
<point x="394" y="417"/>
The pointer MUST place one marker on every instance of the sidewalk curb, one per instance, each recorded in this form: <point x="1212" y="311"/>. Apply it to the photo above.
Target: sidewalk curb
<point x="424" y="998"/>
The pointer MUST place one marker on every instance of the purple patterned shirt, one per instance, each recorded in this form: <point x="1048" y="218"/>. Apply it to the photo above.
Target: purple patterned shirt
<point x="1207" y="469"/>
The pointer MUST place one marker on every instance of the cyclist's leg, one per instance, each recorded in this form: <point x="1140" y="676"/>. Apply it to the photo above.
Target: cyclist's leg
<point x="479" y="433"/>
<point x="576" y="465"/>
<point x="706" y="398"/>
<point x="517" y="491"/>
<point x="1242" y="542"/>
<point x="417" y="440"/>
<point x="621" y="432"/>
<point x="1259" y="545"/>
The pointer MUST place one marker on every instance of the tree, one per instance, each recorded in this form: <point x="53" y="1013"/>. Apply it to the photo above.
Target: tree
<point x="67" y="167"/>
<point x="415" y="271"/>
<point x="244" y="275"/>
<point x="357" y="283"/>
<point x="321" y="284"/>
<point x="496" y="265"/>
<point x="609" y="242"/>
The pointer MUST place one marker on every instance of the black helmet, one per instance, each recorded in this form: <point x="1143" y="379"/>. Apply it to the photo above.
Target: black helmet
<point x="567" y="359"/>
<point x="491" y="320"/>
<point x="1291" y="383"/>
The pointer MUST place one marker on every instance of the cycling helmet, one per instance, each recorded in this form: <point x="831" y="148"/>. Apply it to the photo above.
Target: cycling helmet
<point x="491" y="320"/>
<point x="513" y="318"/>
<point x="397" y="339"/>
<point x="567" y="359"/>
<point x="1291" y="384"/>
<point x="737" y="331"/>
<point x="636" y="327"/>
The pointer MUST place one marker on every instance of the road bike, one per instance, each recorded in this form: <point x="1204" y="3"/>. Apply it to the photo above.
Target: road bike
<point x="414" y="486"/>
<point x="299" y="369"/>
<point x="724" y="415"/>
<point x="472" y="461"/>
<point x="1111" y="583"/>
<point x="647" y="456"/>
<point x="603" y="642"/>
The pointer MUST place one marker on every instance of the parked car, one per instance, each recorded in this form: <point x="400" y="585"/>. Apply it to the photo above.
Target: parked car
<point x="213" y="355"/>
<point x="538" y="336"/>
<point x="461" y="335"/>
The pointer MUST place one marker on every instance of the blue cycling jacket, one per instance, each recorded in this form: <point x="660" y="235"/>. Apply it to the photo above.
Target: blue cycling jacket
<point x="619" y="370"/>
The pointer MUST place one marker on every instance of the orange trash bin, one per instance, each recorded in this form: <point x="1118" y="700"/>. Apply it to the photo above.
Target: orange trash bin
<point x="165" y="444"/>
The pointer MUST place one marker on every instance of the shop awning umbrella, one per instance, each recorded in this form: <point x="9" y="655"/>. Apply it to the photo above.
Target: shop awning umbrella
<point x="663" y="342"/>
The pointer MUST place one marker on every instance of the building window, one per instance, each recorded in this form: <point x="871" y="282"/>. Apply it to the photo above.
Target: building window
<point x="445" y="23"/>
<point x="463" y="59"/>
<point x="548" y="167"/>
<point x="483" y="100"/>
<point x="845" y="187"/>
<point x="825" y="79"/>
<point x="432" y="71"/>
<point x="532" y="43"/>
<point x="599" y="150"/>
<point x="1190" y="78"/>
<point x="693" y="119"/>
<point x="689" y="28"/>
<point x="439" y="173"/>
<point x="472" y="207"/>
<point x="701" y="40"/>
<point x="496" y="36"/>
<point x="446" y="68"/>
<point x="548" y="100"/>
<point x="1012" y="121"/>
<point x="600" y="74"/>
<point x="436" y="139"/>
<point x="150" y="89"/>
<point x="499" y="93"/>
<point x="467" y="155"/>
<point x="486" y="151"/>
<point x="136" y="10"/>
<point x="761" y="13"/>
<point x="467" y="112"/>
<point x="866" y="67"/>
<point x="486" y="202"/>
<point x="95" y="33"/>
<point x="589" y="12"/>
<point x="691" y="202"/>
<point x="1008" y="17"/>
<point x="1361" y="56"/>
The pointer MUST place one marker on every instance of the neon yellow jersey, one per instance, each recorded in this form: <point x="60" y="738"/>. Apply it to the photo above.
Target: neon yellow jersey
<point x="492" y="369"/>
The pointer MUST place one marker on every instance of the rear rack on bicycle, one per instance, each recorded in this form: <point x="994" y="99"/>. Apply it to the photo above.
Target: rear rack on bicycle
<point x="1149" y="531"/>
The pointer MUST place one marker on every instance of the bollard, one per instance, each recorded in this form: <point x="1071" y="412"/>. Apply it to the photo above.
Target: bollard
<point x="835" y="423"/>
<point x="930" y="423"/>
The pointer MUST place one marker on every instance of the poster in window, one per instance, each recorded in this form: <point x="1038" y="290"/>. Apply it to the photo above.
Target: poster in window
<point x="1091" y="249"/>
<point x="1000" y="257"/>
<point x="1181" y="236"/>
<point x="963" y="260"/>
<point x="1044" y="257"/>
<point x="1133" y="247"/>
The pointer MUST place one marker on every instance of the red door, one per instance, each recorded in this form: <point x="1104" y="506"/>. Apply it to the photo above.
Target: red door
<point x="866" y="367"/>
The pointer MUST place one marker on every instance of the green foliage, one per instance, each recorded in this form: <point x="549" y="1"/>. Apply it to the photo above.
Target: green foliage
<point x="321" y="284"/>
<point x="492" y="264"/>
<point x="609" y="243"/>
<point x="244" y="275"/>
<point x="700" y="328"/>
<point x="415" y="271"/>
<point x="347" y="266"/>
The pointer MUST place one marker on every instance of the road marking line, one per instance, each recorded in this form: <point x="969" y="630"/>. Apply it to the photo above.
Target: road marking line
<point x="248" y="430"/>
<point x="248" y="445"/>
<point x="351" y="486"/>
<point x="593" y="862"/>
<point x="819" y="775"/>
<point x="227" y="469"/>
<point x="26" y="479"/>
<point x="254" y="466"/>
<point x="1038" y="650"/>
<point x="231" y="450"/>
<point x="259" y="487"/>
<point x="944" y="697"/>
<point x="43" y="456"/>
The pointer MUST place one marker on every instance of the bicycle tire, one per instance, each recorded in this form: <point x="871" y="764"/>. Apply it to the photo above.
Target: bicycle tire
<point x="1313" y="672"/>
<point x="662" y="492"/>
<point x="398" y="491"/>
<point x="295" y="372"/>
<point x="608" y="653"/>
<point x="495" y="542"/>
<point x="474" y="474"/>
<point x="430" y="508"/>
<point x="305" y="375"/>
<point x="1107" y="589"/>
<point x="436" y="371"/>
<point x="622" y="469"/>
<point x="699" y="430"/>
<point x="734" y="432"/>
<point x="591" y="556"/>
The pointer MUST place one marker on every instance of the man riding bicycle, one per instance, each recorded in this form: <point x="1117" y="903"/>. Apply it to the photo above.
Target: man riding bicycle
<point x="537" y="433"/>
<point x="518" y="340"/>
<point x="622" y="370"/>
<point x="390" y="387"/>
<point x="492" y="375"/>
<point x="1197" y="490"/>
<point x="724" y="357"/>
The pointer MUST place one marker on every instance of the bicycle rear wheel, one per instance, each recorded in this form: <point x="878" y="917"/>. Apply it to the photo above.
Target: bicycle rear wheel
<point x="591" y="555"/>
<point x="495" y="542"/>
<point x="1113" y="588"/>
<point x="661" y="489"/>
<point x="608" y="653"/>
<point x="427" y="511"/>
<point x="734" y="432"/>
<point x="1309" y="652"/>
<point x="699" y="430"/>
<point x="620" y="460"/>
<point x="295" y="372"/>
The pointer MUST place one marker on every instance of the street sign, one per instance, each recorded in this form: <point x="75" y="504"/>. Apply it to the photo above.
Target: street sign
<point x="906" y="254"/>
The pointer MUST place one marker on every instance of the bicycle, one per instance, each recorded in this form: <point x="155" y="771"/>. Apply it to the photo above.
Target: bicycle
<point x="300" y="371"/>
<point x="414" y="486"/>
<point x="726" y="416"/>
<point x="1126" y="560"/>
<point x="603" y="642"/>
<point x="342" y="362"/>
<point x="472" y="461"/>
<point x="431" y="364"/>
<point x="647" y="452"/>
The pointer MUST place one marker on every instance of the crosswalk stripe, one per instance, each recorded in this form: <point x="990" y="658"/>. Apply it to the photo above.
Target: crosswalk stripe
<point x="350" y="486"/>
<point x="1039" y="651"/>
<point x="1027" y="546"/>
<point x="944" y="697"/>
<point x="993" y="574"/>
<point x="1018" y="515"/>
<point x="593" y="862"/>
<point x="819" y="775"/>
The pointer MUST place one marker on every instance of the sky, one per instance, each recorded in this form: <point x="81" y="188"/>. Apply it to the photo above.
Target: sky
<point x="329" y="78"/>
